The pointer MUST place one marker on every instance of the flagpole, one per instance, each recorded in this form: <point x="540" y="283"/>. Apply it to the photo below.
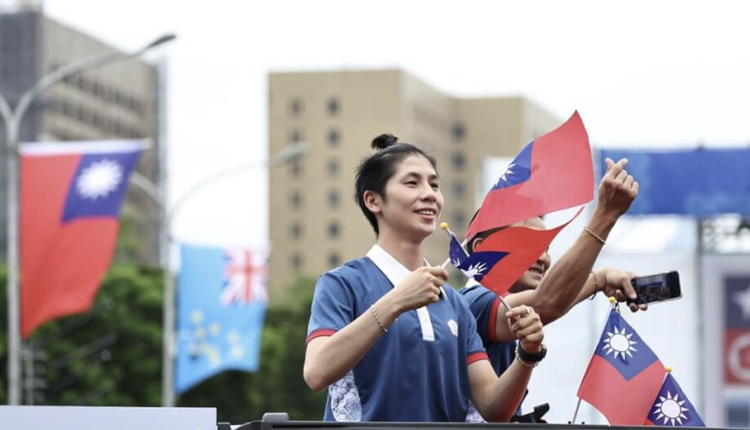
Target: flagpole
<point x="12" y="118"/>
<point x="575" y="414"/>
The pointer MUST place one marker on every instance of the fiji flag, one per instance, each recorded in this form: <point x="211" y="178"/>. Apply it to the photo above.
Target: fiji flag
<point x="551" y="173"/>
<point x="624" y="375"/>
<point x="222" y="300"/>
<point x="672" y="407"/>
<point x="71" y="194"/>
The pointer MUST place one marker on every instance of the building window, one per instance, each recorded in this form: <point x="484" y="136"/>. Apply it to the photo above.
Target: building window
<point x="459" y="132"/>
<point x="295" y="231"/>
<point x="333" y="106"/>
<point x="459" y="190"/>
<point x="333" y="138"/>
<point x="333" y="230"/>
<point x="295" y="260"/>
<point x="295" y="168"/>
<point x="333" y="168"/>
<point x="333" y="199"/>
<point x="295" y="108"/>
<point x="458" y="160"/>
<point x="295" y="200"/>
<point x="460" y="219"/>
<point x="295" y="137"/>
<point x="334" y="260"/>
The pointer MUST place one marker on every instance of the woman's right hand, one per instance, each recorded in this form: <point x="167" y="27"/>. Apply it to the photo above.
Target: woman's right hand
<point x="420" y="288"/>
<point x="527" y="327"/>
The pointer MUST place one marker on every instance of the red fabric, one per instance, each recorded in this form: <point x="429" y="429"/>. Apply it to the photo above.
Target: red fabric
<point x="477" y="356"/>
<point x="491" y="324"/>
<point x="320" y="333"/>
<point x="562" y="176"/>
<point x="62" y="265"/>
<point x="523" y="245"/>
<point x="622" y="402"/>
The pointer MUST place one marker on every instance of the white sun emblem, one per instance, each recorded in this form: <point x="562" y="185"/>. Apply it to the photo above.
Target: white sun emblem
<point x="99" y="179"/>
<point x="475" y="269"/>
<point x="508" y="173"/>
<point x="670" y="409"/>
<point x="619" y="342"/>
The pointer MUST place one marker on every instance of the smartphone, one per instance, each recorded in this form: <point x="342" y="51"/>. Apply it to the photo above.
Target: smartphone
<point x="656" y="288"/>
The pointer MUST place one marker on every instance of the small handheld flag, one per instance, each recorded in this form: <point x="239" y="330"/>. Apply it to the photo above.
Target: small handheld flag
<point x="624" y="374"/>
<point x="672" y="407"/>
<point x="551" y="173"/>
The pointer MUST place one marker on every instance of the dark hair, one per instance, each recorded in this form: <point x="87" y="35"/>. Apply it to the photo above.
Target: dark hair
<point x="374" y="171"/>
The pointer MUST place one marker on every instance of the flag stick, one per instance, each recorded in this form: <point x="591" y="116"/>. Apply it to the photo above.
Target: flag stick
<point x="575" y="414"/>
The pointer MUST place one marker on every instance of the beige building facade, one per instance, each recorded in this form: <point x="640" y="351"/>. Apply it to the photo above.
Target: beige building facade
<point x="315" y="224"/>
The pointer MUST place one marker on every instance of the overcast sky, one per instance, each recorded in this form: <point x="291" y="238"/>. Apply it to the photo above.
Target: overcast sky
<point x="642" y="73"/>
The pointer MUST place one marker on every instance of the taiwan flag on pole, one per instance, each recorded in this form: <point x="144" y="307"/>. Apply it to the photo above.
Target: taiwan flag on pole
<point x="221" y="304"/>
<point x="672" y="407"/>
<point x="502" y="257"/>
<point x="551" y="173"/>
<point x="71" y="195"/>
<point x="624" y="375"/>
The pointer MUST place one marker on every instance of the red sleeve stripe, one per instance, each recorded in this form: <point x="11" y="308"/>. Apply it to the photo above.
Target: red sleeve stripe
<point x="476" y="356"/>
<point x="492" y="323"/>
<point x="320" y="333"/>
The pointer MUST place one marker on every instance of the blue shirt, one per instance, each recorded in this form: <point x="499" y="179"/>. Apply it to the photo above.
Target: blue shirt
<point x="418" y="371"/>
<point x="484" y="305"/>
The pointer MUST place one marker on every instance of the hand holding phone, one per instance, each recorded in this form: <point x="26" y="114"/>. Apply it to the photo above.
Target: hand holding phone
<point x="656" y="288"/>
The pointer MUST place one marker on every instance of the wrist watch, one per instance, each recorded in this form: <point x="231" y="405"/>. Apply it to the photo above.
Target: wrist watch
<point x="528" y="358"/>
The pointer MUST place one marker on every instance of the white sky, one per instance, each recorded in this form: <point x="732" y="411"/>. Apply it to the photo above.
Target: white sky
<point x="641" y="72"/>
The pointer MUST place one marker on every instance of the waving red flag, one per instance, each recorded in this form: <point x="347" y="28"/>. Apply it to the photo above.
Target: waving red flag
<point x="551" y="173"/>
<point x="71" y="196"/>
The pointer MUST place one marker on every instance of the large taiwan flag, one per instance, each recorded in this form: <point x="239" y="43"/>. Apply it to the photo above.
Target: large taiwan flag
<point x="222" y="301"/>
<point x="624" y="375"/>
<point x="71" y="195"/>
<point x="551" y="173"/>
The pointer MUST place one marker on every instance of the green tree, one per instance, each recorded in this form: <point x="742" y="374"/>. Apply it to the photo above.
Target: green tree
<point x="111" y="356"/>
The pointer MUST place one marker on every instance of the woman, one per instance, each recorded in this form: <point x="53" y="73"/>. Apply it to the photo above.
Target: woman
<point x="387" y="339"/>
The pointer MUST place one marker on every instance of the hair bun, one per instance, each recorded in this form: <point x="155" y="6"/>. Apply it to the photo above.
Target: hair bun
<point x="384" y="141"/>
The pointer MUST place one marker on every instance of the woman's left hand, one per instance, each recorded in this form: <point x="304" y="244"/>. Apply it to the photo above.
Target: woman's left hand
<point x="527" y="327"/>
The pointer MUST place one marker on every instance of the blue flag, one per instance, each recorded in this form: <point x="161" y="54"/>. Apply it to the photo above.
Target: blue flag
<point x="476" y="265"/>
<point x="222" y="300"/>
<point x="672" y="407"/>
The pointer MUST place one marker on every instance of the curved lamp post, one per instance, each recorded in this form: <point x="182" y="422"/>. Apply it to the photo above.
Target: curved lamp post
<point x="12" y="118"/>
<point x="166" y="216"/>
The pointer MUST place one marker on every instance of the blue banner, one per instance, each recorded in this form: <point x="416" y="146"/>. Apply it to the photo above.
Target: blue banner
<point x="222" y="300"/>
<point x="697" y="182"/>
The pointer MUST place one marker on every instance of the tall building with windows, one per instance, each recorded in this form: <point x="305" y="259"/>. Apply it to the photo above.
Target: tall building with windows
<point x="119" y="101"/>
<point x="315" y="224"/>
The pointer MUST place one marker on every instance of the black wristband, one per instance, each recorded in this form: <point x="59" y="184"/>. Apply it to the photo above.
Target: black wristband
<point x="528" y="357"/>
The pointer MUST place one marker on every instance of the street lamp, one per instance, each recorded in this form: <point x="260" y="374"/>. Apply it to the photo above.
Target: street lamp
<point x="12" y="118"/>
<point x="166" y="215"/>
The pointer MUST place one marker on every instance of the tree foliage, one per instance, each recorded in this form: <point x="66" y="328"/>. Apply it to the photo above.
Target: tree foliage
<point x="112" y="355"/>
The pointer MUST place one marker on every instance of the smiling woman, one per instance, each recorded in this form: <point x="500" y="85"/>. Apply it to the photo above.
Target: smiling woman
<point x="382" y="337"/>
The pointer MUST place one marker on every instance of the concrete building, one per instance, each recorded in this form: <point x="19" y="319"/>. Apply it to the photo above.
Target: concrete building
<point x="113" y="102"/>
<point x="314" y="222"/>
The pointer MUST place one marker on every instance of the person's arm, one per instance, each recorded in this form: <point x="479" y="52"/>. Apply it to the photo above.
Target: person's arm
<point x="562" y="285"/>
<point x="329" y="357"/>
<point x="497" y="398"/>
<point x="613" y="283"/>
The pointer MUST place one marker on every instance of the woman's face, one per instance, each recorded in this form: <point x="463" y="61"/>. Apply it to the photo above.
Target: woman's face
<point x="413" y="200"/>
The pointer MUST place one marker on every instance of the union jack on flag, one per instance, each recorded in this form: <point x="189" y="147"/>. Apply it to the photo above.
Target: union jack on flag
<point x="246" y="278"/>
